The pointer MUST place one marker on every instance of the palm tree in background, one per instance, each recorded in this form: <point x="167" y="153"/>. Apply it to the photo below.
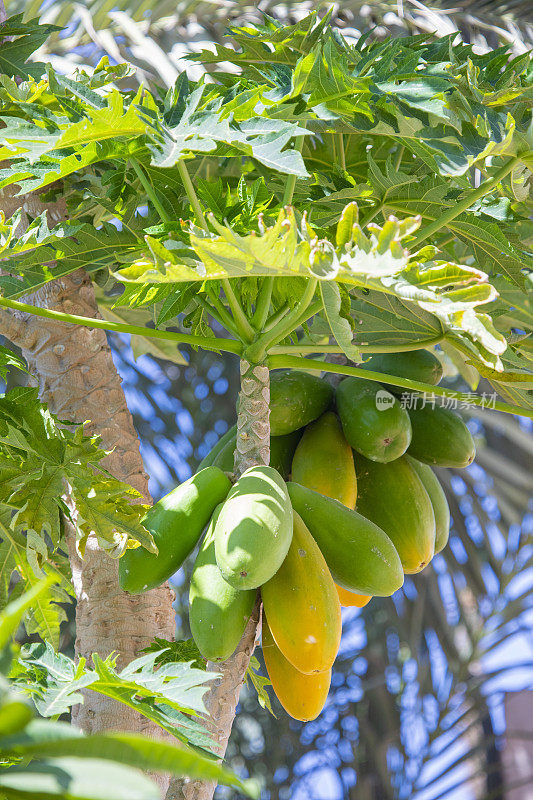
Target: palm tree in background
<point x="415" y="708"/>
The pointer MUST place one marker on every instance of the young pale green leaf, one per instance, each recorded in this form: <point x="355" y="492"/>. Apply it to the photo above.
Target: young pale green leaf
<point x="169" y="695"/>
<point x="285" y="249"/>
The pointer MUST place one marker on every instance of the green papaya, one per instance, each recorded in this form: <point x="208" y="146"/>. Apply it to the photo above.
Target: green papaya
<point x="418" y="365"/>
<point x="281" y="452"/>
<point x="323" y="461"/>
<point x="296" y="399"/>
<point x="176" y="523"/>
<point x="393" y="497"/>
<point x="373" y="421"/>
<point x="438" y="501"/>
<point x="359" y="554"/>
<point x="254" y="528"/>
<point x="225" y="458"/>
<point x="218" y="613"/>
<point x="440" y="437"/>
<point x="213" y="453"/>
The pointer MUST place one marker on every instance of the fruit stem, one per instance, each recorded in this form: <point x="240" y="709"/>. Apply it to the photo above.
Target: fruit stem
<point x="470" y="398"/>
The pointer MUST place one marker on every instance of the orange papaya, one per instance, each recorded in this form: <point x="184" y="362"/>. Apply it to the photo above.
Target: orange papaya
<point x="302" y="696"/>
<point x="302" y="605"/>
<point x="323" y="461"/>
<point x="352" y="599"/>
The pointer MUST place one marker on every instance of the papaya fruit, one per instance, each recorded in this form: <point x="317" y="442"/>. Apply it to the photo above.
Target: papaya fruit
<point x="393" y="497"/>
<point x="436" y="494"/>
<point x="302" y="696"/>
<point x="296" y="399"/>
<point x="209" y="459"/>
<point x="360" y="556"/>
<point x="176" y="523"/>
<point x="440" y="438"/>
<point x="347" y="598"/>
<point x="373" y="421"/>
<point x="218" y="613"/>
<point x="302" y="605"/>
<point x="323" y="461"/>
<point x="418" y="365"/>
<point x="254" y="528"/>
<point x="281" y="452"/>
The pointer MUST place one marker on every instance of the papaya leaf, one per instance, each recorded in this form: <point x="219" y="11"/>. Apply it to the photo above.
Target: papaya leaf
<point x="182" y="650"/>
<point x="171" y="695"/>
<point x="339" y="325"/>
<point x="9" y="360"/>
<point x="89" y="779"/>
<point x="57" y="739"/>
<point x="260" y="683"/>
<point x="19" y="40"/>
<point x="40" y="459"/>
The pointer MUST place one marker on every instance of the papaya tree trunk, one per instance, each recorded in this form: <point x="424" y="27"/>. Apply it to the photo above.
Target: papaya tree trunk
<point x="253" y="447"/>
<point x="76" y="376"/>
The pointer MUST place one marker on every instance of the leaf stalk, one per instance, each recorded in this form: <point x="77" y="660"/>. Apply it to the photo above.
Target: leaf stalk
<point x="293" y="362"/>
<point x="208" y="343"/>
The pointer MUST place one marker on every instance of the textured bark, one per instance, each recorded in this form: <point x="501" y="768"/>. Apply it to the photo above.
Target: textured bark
<point x="77" y="378"/>
<point x="253" y="418"/>
<point x="253" y="447"/>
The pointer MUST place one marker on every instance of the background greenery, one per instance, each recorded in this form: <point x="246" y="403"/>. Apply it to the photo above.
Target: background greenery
<point x="416" y="704"/>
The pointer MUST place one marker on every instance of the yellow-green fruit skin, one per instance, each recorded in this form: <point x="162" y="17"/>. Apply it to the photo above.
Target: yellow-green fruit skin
<point x="347" y="598"/>
<point x="302" y="605"/>
<point x="254" y="528"/>
<point x="323" y="461"/>
<point x="360" y="555"/>
<point x="393" y="497"/>
<point x="440" y="438"/>
<point x="302" y="696"/>
<point x="176" y="522"/>
<point x="296" y="399"/>
<point x="438" y="501"/>
<point x="373" y="421"/>
<point x="218" y="613"/>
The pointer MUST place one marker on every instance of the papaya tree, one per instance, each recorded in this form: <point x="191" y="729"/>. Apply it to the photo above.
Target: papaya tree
<point x="321" y="202"/>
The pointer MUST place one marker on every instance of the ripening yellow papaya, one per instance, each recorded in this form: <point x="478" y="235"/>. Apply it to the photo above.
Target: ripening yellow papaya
<point x="302" y="696"/>
<point x="352" y="598"/>
<point x="302" y="605"/>
<point x="323" y="461"/>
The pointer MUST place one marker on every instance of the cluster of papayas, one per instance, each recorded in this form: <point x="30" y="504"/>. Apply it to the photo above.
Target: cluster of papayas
<point x="361" y="509"/>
